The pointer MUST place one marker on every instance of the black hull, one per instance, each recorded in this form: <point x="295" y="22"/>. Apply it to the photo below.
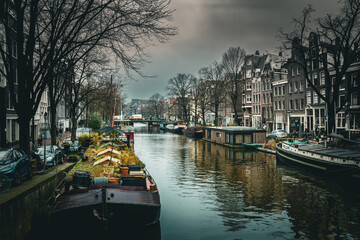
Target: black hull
<point x="193" y="134"/>
<point x="176" y="131"/>
<point x="316" y="165"/>
<point x="107" y="208"/>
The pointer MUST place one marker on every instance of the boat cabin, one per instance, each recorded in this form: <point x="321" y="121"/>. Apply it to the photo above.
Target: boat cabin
<point x="234" y="136"/>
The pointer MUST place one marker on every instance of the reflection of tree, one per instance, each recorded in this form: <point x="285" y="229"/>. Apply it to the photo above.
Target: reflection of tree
<point x="244" y="187"/>
<point x="241" y="179"/>
<point x="321" y="213"/>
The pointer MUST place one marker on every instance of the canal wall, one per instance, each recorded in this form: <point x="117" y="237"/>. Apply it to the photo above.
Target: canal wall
<point x="21" y="204"/>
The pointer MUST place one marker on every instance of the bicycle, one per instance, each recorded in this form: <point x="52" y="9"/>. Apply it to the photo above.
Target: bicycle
<point x="5" y="183"/>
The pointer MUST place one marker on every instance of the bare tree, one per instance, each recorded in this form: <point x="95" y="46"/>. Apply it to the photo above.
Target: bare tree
<point x="84" y="86"/>
<point x="334" y="45"/>
<point x="41" y="34"/>
<point x="202" y="93"/>
<point x="232" y="61"/>
<point x="180" y="88"/>
<point x="215" y="76"/>
<point x="158" y="107"/>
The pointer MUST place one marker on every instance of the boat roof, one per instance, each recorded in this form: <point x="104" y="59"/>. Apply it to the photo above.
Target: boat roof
<point x="109" y="129"/>
<point x="329" y="151"/>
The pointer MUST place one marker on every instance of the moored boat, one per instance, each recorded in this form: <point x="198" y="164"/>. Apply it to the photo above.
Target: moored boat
<point x="174" y="129"/>
<point x="329" y="161"/>
<point x="111" y="189"/>
<point x="193" y="132"/>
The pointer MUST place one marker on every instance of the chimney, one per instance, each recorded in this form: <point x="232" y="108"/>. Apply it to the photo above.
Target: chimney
<point x="257" y="52"/>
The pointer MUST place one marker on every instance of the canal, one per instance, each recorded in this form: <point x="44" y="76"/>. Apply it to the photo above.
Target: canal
<point x="212" y="192"/>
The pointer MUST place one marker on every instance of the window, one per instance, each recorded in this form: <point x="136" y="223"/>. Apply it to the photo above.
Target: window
<point x="301" y="86"/>
<point x="296" y="107"/>
<point x="248" y="86"/>
<point x="248" y="98"/>
<point x="306" y="81"/>
<point x="316" y="98"/>
<point x="341" y="100"/>
<point x="354" y="98"/>
<point x="249" y="61"/>
<point x="308" y="97"/>
<point x="340" y="120"/>
<point x="280" y="91"/>
<point x="283" y="87"/>
<point x="322" y="78"/>
<point x="354" y="80"/>
<point x="275" y="91"/>
<point x="218" y="135"/>
<point x="283" y="104"/>
<point x="290" y="87"/>
<point x="248" y="73"/>
<point x="275" y="105"/>
<point x="297" y="71"/>
<point x="290" y="104"/>
<point x="315" y="79"/>
<point x="296" y="88"/>
<point x="292" y="72"/>
<point x="322" y="91"/>
<point x="343" y="83"/>
<point x="302" y="104"/>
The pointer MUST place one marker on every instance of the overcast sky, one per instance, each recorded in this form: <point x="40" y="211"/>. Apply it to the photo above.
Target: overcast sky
<point x="207" y="28"/>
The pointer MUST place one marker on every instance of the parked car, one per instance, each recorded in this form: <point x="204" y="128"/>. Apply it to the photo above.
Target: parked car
<point x="54" y="156"/>
<point x="71" y="147"/>
<point x="15" y="164"/>
<point x="278" y="134"/>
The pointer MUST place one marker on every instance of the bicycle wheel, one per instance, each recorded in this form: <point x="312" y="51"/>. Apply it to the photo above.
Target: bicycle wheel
<point x="5" y="183"/>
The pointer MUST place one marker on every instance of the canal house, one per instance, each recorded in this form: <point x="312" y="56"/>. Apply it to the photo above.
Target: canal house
<point x="234" y="136"/>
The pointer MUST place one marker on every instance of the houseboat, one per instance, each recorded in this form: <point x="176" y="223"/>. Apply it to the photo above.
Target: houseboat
<point x="176" y="128"/>
<point x="193" y="132"/>
<point x="234" y="136"/>
<point x="111" y="190"/>
<point x="330" y="161"/>
<point x="126" y="126"/>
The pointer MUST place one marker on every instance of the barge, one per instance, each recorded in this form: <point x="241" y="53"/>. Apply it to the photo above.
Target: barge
<point x="328" y="161"/>
<point x="111" y="190"/>
<point x="193" y="132"/>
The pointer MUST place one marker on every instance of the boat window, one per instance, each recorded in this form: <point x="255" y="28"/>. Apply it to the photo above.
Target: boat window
<point x="247" y="138"/>
<point x="238" y="138"/>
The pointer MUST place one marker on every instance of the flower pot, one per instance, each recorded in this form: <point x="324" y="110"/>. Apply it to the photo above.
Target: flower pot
<point x="124" y="171"/>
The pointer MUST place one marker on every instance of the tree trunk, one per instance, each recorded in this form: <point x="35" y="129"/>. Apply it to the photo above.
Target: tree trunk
<point x="24" y="141"/>
<point x="73" y="129"/>
<point x="2" y="117"/>
<point x="331" y="118"/>
<point x="203" y="115"/>
<point x="53" y="125"/>
<point x="216" y="117"/>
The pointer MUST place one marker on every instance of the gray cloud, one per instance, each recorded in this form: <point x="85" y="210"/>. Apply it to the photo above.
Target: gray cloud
<point x="208" y="27"/>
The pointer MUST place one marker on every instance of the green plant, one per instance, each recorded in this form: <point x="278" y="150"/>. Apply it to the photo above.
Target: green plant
<point x="94" y="123"/>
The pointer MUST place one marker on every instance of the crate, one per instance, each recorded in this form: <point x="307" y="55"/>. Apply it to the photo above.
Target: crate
<point x="81" y="179"/>
<point x="133" y="181"/>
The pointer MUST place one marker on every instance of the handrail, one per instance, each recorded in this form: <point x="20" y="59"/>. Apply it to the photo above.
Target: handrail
<point x="345" y="139"/>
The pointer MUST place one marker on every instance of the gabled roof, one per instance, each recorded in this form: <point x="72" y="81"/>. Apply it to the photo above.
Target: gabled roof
<point x="108" y="158"/>
<point x="109" y="150"/>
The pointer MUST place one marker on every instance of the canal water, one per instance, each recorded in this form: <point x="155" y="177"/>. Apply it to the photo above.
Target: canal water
<point x="211" y="192"/>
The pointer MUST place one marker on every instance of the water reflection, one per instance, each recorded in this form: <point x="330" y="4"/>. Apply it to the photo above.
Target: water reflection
<point x="209" y="191"/>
